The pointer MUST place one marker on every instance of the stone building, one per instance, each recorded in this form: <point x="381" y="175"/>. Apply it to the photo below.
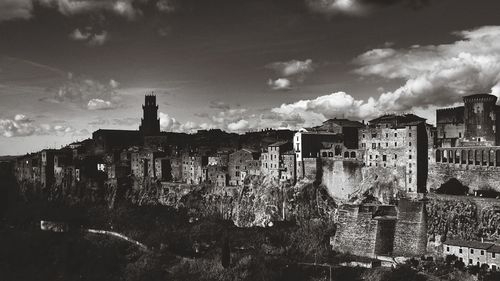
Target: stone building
<point x="474" y="252"/>
<point x="473" y="124"/>
<point x="272" y="160"/>
<point x="398" y="142"/>
<point x="467" y="146"/>
<point x="239" y="164"/>
<point x="150" y="124"/>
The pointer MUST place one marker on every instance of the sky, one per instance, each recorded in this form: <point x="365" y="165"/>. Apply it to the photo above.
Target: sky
<point x="70" y="67"/>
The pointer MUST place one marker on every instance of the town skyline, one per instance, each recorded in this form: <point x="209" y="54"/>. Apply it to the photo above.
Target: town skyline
<point x="234" y="66"/>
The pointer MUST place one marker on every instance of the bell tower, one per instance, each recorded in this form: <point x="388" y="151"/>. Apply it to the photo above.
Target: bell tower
<point x="150" y="124"/>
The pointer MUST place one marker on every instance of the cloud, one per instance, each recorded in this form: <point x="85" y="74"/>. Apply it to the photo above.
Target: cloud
<point x="356" y="7"/>
<point x="219" y="105"/>
<point x="293" y="70"/>
<point x="292" y="67"/>
<point x="124" y="8"/>
<point x="434" y="76"/>
<point x="15" y="9"/>
<point x="170" y="124"/>
<point x="86" y="93"/>
<point x="280" y="84"/>
<point x="91" y="38"/>
<point x="437" y="74"/>
<point x="99" y="104"/>
<point x="21" y="126"/>
<point x="239" y="126"/>
<point x="166" y="6"/>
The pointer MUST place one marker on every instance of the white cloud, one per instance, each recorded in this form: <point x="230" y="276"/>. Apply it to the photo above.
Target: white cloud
<point x="21" y="126"/>
<point x="98" y="39"/>
<point x="239" y="126"/>
<point x="78" y="35"/>
<point x="123" y="8"/>
<point x="91" y="38"/>
<point x="166" y="6"/>
<point x="335" y="7"/>
<point x="99" y="104"/>
<point x="170" y="124"/>
<point x="86" y="93"/>
<point x="437" y="74"/>
<point x="293" y="67"/>
<point x="280" y="84"/>
<point x="15" y="9"/>
<point x="290" y="72"/>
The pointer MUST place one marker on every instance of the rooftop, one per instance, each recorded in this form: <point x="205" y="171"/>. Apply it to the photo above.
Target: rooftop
<point x="470" y="244"/>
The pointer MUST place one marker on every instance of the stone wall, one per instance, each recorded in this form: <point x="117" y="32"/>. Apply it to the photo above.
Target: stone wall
<point x="411" y="229"/>
<point x="480" y="177"/>
<point x="356" y="231"/>
<point x="341" y="177"/>
<point x="370" y="230"/>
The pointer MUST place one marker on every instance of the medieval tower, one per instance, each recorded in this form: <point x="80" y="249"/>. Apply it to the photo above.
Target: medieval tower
<point x="150" y="124"/>
<point x="480" y="120"/>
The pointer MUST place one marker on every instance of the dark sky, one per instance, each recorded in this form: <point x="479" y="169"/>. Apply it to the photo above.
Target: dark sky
<point x="69" y="67"/>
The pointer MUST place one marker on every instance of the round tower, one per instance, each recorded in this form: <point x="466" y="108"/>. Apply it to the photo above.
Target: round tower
<point x="480" y="120"/>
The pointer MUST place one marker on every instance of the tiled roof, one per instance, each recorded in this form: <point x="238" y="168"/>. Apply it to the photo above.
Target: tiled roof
<point x="279" y="143"/>
<point x="469" y="244"/>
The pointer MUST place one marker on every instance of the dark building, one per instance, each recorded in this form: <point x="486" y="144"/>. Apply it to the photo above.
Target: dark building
<point x="150" y="124"/>
<point x="474" y="124"/>
<point x="480" y="120"/>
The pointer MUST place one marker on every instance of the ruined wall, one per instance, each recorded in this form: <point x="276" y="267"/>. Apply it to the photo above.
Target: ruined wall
<point x="471" y="176"/>
<point x="341" y="177"/>
<point x="410" y="238"/>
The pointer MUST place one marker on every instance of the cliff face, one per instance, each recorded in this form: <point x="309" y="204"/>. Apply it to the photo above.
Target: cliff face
<point x="461" y="217"/>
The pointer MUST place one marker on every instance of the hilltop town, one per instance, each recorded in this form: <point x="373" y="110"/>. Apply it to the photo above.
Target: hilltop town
<point x="392" y="177"/>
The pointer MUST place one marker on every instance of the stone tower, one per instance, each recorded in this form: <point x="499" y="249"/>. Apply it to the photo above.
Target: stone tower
<point x="150" y="124"/>
<point x="480" y="120"/>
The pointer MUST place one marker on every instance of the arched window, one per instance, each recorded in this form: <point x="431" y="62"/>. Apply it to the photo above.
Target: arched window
<point x="353" y="154"/>
<point x="330" y="154"/>
<point x="324" y="154"/>
<point x="346" y="154"/>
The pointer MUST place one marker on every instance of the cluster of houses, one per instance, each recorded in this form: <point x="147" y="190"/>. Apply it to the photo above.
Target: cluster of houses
<point x="474" y="252"/>
<point x="399" y="142"/>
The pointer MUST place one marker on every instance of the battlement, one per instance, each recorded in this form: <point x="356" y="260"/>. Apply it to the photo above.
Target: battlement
<point x="480" y="98"/>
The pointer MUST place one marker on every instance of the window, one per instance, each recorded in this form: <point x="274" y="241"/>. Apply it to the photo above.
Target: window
<point x="395" y="135"/>
<point x="409" y="180"/>
<point x="386" y="135"/>
<point x="447" y="249"/>
<point x="493" y="255"/>
<point x="409" y="144"/>
<point x="374" y="135"/>
<point x="409" y="156"/>
<point x="460" y="250"/>
<point x="395" y="144"/>
<point x="482" y="252"/>
<point x="459" y="134"/>
<point x="374" y="145"/>
<point x="395" y="156"/>
<point x="409" y="165"/>
<point x="472" y="251"/>
<point x="363" y="135"/>
<point x="384" y="158"/>
<point x="386" y="144"/>
<point x="409" y="134"/>
<point x="470" y="261"/>
<point x="371" y="156"/>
